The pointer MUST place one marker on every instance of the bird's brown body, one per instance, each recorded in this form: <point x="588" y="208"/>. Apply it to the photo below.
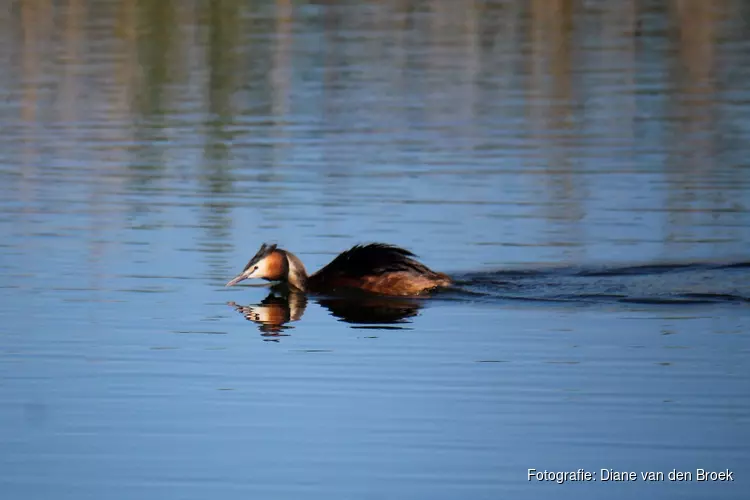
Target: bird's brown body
<point x="375" y="268"/>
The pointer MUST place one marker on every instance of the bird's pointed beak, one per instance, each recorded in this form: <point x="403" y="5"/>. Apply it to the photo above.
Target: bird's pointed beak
<point x="237" y="279"/>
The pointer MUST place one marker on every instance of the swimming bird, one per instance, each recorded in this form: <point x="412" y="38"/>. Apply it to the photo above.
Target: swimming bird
<point x="376" y="268"/>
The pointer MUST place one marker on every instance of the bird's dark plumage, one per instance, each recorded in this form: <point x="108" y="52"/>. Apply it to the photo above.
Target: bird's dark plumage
<point x="373" y="259"/>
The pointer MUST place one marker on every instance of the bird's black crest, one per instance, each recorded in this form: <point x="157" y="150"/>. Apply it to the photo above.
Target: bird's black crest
<point x="374" y="258"/>
<point x="264" y="251"/>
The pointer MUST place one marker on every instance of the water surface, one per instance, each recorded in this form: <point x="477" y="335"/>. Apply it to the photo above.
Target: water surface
<point x="580" y="169"/>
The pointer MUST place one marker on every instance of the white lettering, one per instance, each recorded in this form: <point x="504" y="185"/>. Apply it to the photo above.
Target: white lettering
<point x="652" y="476"/>
<point x="615" y="475"/>
<point x="704" y="475"/>
<point x="676" y="475"/>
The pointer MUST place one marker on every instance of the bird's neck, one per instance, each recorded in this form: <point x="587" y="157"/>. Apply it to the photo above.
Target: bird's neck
<point x="297" y="275"/>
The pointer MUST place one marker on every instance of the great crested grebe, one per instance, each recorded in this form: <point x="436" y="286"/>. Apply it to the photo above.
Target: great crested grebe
<point x="376" y="268"/>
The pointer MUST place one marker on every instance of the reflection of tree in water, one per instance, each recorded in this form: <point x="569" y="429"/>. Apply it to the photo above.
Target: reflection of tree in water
<point x="237" y="75"/>
<point x="238" y="88"/>
<point x="701" y="140"/>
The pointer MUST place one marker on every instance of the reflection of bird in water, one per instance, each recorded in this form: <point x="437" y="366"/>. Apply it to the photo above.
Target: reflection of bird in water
<point x="274" y="312"/>
<point x="372" y="310"/>
<point x="375" y="268"/>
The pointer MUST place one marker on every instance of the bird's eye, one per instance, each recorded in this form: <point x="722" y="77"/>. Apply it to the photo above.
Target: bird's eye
<point x="255" y="268"/>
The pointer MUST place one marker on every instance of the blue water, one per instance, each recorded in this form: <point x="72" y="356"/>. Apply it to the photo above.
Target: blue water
<point x="580" y="170"/>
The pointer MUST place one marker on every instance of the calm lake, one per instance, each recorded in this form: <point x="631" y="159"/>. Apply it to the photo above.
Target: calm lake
<point x="579" y="167"/>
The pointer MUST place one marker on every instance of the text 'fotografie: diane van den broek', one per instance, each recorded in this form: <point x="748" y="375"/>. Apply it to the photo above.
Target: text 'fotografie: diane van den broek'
<point x="606" y="475"/>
